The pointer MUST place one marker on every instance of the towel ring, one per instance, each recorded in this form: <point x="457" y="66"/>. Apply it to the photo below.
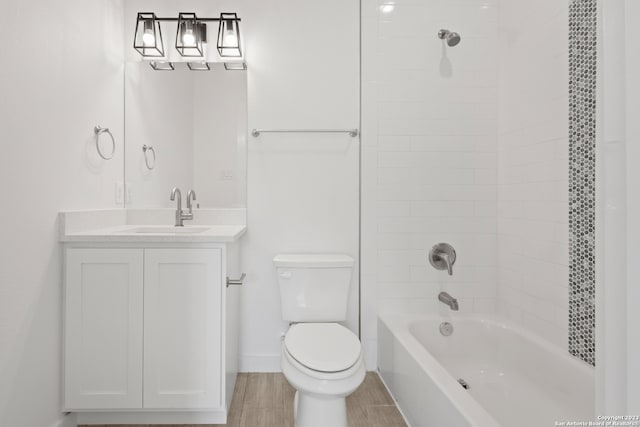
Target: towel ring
<point x="146" y="149"/>
<point x="99" y="131"/>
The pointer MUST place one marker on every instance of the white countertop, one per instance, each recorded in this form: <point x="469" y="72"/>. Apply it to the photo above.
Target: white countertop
<point x="151" y="226"/>
<point x="128" y="233"/>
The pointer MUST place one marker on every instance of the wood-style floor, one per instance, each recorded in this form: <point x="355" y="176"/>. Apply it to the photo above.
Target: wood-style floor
<point x="266" y="400"/>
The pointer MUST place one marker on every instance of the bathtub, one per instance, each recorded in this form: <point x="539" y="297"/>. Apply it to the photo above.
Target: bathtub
<point x="514" y="378"/>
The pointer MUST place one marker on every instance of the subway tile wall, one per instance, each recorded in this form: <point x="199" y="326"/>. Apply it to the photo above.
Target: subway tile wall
<point x="533" y="131"/>
<point x="466" y="145"/>
<point x="429" y="156"/>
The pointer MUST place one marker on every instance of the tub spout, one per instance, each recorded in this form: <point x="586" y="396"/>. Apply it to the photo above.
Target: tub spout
<point x="448" y="300"/>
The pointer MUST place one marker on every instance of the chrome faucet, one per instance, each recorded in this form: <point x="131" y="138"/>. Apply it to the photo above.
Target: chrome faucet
<point x="180" y="215"/>
<point x="448" y="300"/>
<point x="191" y="195"/>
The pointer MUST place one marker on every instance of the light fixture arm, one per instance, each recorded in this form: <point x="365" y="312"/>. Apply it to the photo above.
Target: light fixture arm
<point x="200" y="19"/>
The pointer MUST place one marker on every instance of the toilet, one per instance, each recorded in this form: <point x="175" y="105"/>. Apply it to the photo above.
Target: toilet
<point x="320" y="358"/>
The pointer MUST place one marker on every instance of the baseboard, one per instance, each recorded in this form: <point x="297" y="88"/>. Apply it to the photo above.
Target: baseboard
<point x="260" y="363"/>
<point x="68" y="420"/>
<point x="144" y="417"/>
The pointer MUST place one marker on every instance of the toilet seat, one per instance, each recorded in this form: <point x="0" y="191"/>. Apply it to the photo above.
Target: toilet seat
<point x="314" y="376"/>
<point x="323" y="347"/>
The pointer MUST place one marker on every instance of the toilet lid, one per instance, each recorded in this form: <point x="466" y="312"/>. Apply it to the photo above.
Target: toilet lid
<point x="324" y="347"/>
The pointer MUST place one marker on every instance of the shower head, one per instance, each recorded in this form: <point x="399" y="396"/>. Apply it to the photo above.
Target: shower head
<point x="450" y="37"/>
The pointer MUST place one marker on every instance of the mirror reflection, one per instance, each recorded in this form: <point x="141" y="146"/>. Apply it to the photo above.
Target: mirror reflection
<point x="185" y="129"/>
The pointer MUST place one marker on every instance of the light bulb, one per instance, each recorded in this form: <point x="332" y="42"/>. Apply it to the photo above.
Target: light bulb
<point x="148" y="38"/>
<point x="229" y="36"/>
<point x="387" y="8"/>
<point x="230" y="39"/>
<point x="188" y="38"/>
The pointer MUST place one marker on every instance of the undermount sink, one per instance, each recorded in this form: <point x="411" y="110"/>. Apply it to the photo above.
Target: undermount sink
<point x="167" y="229"/>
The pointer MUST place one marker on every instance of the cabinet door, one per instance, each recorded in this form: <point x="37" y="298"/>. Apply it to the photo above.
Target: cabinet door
<point x="182" y="328"/>
<point x="103" y="328"/>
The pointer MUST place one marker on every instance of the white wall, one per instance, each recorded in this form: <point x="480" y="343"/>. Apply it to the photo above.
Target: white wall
<point x="59" y="77"/>
<point x="533" y="166"/>
<point x="611" y="213"/>
<point x="617" y="316"/>
<point x="302" y="188"/>
<point x="632" y="14"/>
<point x="429" y="163"/>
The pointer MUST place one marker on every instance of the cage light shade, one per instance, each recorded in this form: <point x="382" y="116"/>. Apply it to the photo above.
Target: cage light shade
<point x="229" y="36"/>
<point x="235" y="66"/>
<point x="148" y="37"/>
<point x="162" y="65"/>
<point x="188" y="37"/>
<point x="199" y="66"/>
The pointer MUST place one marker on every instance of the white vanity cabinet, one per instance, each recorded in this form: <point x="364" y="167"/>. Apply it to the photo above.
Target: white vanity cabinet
<point x="103" y="328"/>
<point x="183" y="292"/>
<point x="147" y="335"/>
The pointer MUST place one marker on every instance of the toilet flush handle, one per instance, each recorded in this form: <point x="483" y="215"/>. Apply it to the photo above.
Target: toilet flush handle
<point x="286" y="275"/>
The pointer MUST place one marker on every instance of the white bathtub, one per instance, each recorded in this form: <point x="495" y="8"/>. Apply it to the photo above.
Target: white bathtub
<point x="514" y="378"/>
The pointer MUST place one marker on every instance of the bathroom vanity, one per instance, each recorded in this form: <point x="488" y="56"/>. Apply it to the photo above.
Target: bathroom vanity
<point x="150" y="322"/>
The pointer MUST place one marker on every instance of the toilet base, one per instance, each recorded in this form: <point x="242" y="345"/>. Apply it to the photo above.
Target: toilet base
<point x="313" y="410"/>
<point x="320" y="399"/>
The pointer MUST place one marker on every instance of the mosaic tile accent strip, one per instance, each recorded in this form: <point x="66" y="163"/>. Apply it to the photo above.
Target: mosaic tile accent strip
<point x="582" y="189"/>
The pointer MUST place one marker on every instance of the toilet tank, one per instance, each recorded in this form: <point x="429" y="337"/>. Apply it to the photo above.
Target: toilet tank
<point x="314" y="287"/>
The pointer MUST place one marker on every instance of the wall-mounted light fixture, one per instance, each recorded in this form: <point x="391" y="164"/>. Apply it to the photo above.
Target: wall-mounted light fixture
<point x="229" y="36"/>
<point x="191" y="38"/>
<point x="148" y="36"/>
<point x="188" y="38"/>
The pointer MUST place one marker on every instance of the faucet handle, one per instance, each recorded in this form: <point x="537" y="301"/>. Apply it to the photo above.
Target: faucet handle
<point x="447" y="260"/>
<point x="442" y="257"/>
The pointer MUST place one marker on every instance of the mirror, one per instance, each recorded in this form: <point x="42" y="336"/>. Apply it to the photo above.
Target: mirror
<point x="185" y="129"/>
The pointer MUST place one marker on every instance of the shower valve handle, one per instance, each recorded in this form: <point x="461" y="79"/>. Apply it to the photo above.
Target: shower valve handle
<point x="442" y="257"/>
